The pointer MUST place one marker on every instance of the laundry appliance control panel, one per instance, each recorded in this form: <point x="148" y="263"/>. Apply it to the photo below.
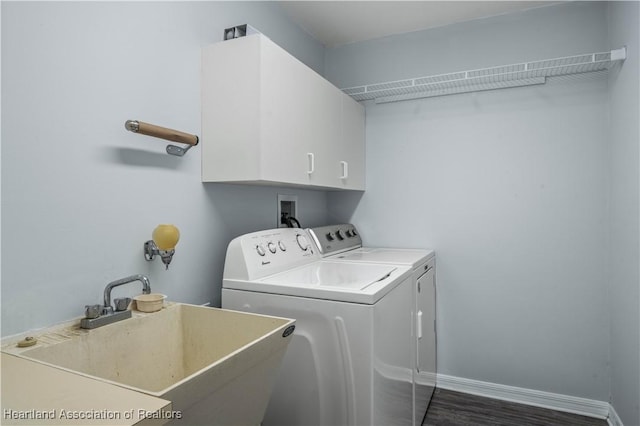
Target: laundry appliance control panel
<point x="263" y="253"/>
<point x="334" y="239"/>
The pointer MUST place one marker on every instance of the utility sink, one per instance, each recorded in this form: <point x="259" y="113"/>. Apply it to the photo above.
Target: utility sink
<point x="216" y="366"/>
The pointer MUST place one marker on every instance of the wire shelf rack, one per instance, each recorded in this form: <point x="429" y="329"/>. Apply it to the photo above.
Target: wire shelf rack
<point x="500" y="77"/>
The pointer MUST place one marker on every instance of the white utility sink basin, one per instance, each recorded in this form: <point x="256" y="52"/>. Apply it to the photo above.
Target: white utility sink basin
<point x="216" y="366"/>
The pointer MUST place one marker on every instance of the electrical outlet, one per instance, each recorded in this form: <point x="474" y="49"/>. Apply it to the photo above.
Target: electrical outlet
<point x="288" y="205"/>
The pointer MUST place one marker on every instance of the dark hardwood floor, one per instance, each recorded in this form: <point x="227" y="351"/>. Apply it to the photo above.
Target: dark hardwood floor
<point x="450" y="408"/>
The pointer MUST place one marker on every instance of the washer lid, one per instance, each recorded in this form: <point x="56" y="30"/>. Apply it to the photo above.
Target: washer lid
<point x="341" y="281"/>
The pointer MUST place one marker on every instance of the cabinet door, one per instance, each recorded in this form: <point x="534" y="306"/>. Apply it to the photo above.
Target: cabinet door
<point x="230" y="113"/>
<point x="325" y="131"/>
<point x="351" y="151"/>
<point x="286" y="117"/>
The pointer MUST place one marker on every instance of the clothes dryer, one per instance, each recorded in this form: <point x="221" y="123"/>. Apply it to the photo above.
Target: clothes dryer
<point x="342" y="242"/>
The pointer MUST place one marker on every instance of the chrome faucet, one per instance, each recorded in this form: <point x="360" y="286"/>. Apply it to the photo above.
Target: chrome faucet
<point x="146" y="289"/>
<point x="96" y="315"/>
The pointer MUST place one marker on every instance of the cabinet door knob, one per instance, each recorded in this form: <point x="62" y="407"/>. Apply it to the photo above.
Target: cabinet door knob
<point x="345" y="170"/>
<point x="312" y="162"/>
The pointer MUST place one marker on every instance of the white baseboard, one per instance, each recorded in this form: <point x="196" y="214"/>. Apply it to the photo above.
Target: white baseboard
<point x="553" y="401"/>
<point x="613" y="418"/>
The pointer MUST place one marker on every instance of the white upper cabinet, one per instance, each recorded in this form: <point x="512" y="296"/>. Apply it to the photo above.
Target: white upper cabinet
<point x="269" y="119"/>
<point x="352" y="145"/>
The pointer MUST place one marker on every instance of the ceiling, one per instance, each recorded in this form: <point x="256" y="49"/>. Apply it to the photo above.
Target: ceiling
<point x="339" y="22"/>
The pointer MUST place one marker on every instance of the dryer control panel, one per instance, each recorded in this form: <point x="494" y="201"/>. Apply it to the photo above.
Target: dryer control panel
<point x="334" y="239"/>
<point x="259" y="254"/>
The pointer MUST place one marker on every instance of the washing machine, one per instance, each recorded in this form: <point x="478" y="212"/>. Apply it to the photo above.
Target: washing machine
<point x="343" y="242"/>
<point x="350" y="361"/>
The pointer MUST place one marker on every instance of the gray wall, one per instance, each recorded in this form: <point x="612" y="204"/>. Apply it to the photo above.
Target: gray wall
<point x="510" y="188"/>
<point x="80" y="194"/>
<point x="624" y="287"/>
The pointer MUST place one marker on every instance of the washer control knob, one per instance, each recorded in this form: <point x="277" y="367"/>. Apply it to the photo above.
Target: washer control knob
<point x="349" y="233"/>
<point x="331" y="236"/>
<point x="353" y="231"/>
<point x="302" y="242"/>
<point x="272" y="247"/>
<point x="282" y="246"/>
<point x="340" y="234"/>
<point x="260" y="250"/>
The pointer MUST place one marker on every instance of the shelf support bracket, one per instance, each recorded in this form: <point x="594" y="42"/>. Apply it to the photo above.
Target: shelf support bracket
<point x="619" y="54"/>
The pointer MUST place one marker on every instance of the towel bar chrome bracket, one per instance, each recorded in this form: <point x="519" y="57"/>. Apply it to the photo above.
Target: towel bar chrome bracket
<point x="178" y="150"/>
<point x="189" y="140"/>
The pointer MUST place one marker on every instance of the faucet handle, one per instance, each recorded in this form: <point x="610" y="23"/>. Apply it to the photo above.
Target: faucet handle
<point x="121" y="303"/>
<point x="92" y="311"/>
